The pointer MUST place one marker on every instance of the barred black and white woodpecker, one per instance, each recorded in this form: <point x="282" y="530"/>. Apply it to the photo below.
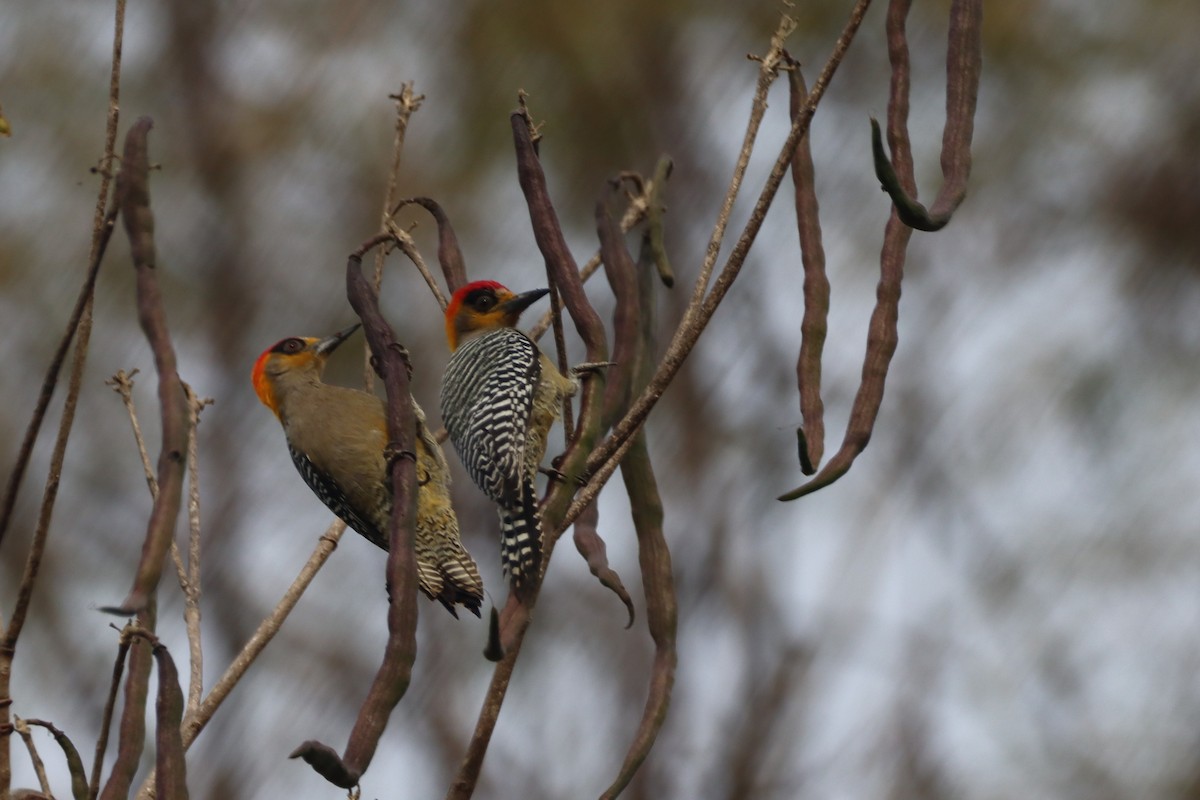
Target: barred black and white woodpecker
<point x="337" y="437"/>
<point x="500" y="396"/>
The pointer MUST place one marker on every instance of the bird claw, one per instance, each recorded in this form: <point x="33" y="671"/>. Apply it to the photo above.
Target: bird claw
<point x="590" y="367"/>
<point x="392" y="453"/>
<point x="559" y="475"/>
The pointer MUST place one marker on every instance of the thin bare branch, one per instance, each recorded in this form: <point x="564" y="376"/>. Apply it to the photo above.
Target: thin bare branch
<point x="195" y="722"/>
<point x="407" y="104"/>
<point x="102" y="227"/>
<point x="79" y="784"/>
<point x="39" y="768"/>
<point x="407" y="246"/>
<point x="80" y="326"/>
<point x="122" y="383"/>
<point x="603" y="460"/>
<point x="189" y="574"/>
<point x="191" y="586"/>
<point x="110" y="705"/>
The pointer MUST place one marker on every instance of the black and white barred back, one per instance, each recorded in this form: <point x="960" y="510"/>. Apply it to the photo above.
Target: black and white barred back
<point x="486" y="398"/>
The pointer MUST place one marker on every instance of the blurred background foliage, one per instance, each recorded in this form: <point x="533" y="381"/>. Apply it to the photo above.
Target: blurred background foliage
<point x="1000" y="600"/>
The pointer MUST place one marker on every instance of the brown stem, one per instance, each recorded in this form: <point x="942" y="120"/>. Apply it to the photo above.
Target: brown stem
<point x="882" y="334"/>
<point x="654" y="557"/>
<point x="133" y="190"/>
<point x="602" y="461"/>
<point x="79" y="324"/>
<point x="553" y="245"/>
<point x="450" y="255"/>
<point x="102" y="226"/>
<point x="560" y="267"/>
<point x="106" y="718"/>
<point x="392" y="679"/>
<point x="816" y="288"/>
<point x="132" y="736"/>
<point x="407" y="104"/>
<point x="171" y="769"/>
<point x="623" y="279"/>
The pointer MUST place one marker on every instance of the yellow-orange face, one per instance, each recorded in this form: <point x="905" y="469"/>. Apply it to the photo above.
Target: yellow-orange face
<point x="294" y="352"/>
<point x="483" y="305"/>
<point x="293" y="355"/>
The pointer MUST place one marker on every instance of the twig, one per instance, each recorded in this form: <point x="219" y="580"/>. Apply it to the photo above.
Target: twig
<point x="122" y="383"/>
<point x="560" y="348"/>
<point x="189" y="575"/>
<point x="79" y="786"/>
<point x="195" y="722"/>
<point x="80" y="325"/>
<point x="191" y="587"/>
<point x="407" y="246"/>
<point x="602" y="461"/>
<point x="102" y="226"/>
<point x="39" y="768"/>
<point x="407" y="104"/>
<point x="106" y="718"/>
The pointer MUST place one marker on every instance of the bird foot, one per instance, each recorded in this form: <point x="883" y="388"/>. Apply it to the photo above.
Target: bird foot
<point x="559" y="475"/>
<point x="591" y="367"/>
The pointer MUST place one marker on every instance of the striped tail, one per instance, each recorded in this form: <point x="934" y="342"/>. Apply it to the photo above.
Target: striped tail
<point x="521" y="538"/>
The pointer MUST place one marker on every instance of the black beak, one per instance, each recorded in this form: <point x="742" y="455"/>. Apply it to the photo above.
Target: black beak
<point x="518" y="303"/>
<point x="330" y="343"/>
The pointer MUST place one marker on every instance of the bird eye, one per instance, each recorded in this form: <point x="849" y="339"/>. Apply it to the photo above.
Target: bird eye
<point x="484" y="300"/>
<point x="292" y="346"/>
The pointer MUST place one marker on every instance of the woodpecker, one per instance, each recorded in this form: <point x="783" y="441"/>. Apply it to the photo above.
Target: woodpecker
<point x="337" y="437"/>
<point x="500" y="396"/>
